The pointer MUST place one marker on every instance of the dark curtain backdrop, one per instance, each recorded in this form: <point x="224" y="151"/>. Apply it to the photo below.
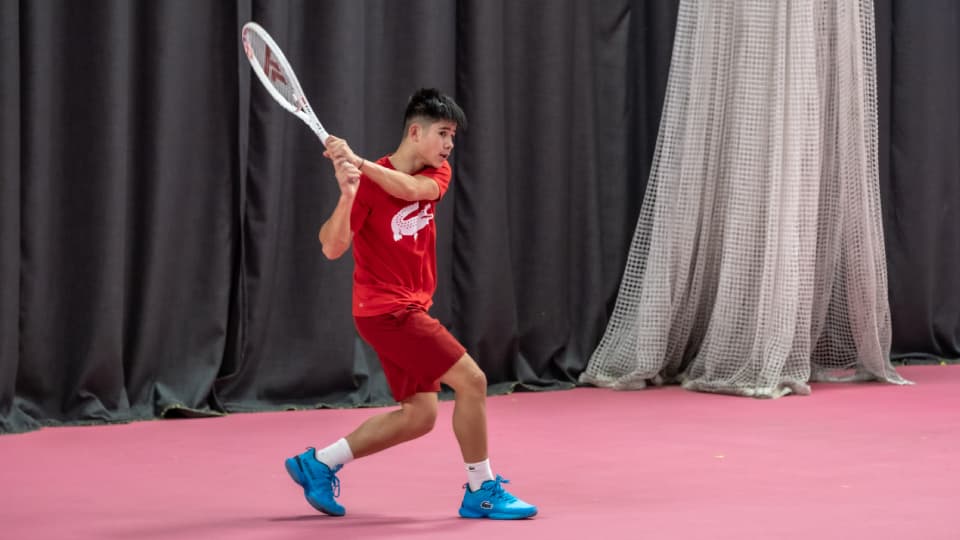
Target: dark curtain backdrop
<point x="158" y="212"/>
<point x="918" y="46"/>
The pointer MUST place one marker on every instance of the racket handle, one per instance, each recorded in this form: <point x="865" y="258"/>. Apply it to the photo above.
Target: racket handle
<point x="322" y="135"/>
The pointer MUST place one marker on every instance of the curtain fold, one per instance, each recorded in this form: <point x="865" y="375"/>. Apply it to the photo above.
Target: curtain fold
<point x="921" y="193"/>
<point x="124" y="248"/>
<point x="11" y="417"/>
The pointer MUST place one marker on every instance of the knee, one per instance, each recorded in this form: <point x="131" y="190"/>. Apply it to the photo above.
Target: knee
<point x="420" y="420"/>
<point x="466" y="378"/>
<point x="474" y="383"/>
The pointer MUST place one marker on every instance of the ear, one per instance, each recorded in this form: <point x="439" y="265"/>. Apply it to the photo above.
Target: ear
<point x="414" y="131"/>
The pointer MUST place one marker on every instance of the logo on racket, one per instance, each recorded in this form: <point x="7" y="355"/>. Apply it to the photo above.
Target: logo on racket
<point x="274" y="71"/>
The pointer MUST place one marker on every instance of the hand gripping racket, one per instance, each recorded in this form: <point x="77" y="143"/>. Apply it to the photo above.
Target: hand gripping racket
<point x="274" y="71"/>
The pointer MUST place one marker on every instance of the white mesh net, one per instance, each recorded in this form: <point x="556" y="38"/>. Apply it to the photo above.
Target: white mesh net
<point x="758" y="261"/>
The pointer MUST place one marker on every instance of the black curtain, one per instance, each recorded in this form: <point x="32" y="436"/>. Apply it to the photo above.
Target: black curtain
<point x="919" y="89"/>
<point x="158" y="212"/>
<point x="10" y="416"/>
<point x="119" y="227"/>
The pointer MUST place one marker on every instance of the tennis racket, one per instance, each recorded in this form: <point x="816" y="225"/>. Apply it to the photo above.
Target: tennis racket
<point x="274" y="71"/>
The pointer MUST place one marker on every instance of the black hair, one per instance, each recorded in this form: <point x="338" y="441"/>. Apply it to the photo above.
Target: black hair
<point x="430" y="104"/>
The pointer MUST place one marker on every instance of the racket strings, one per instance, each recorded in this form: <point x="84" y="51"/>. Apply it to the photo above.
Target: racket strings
<point x="277" y="74"/>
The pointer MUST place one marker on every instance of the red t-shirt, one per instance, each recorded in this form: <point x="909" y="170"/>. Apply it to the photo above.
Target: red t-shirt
<point x="394" y="246"/>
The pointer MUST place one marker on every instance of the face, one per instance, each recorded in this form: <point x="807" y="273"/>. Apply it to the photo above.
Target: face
<point x="435" y="142"/>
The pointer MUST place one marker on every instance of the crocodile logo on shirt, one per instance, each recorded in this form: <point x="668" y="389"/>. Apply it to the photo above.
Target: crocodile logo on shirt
<point x="403" y="224"/>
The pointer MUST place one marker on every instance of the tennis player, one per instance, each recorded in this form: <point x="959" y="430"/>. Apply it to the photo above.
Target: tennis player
<point x="386" y="210"/>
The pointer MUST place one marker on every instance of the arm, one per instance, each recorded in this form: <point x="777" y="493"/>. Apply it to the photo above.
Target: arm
<point x="399" y="184"/>
<point x="335" y="235"/>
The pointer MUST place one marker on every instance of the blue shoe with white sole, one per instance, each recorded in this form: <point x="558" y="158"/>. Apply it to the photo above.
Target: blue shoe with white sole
<point x="493" y="502"/>
<point x="320" y="483"/>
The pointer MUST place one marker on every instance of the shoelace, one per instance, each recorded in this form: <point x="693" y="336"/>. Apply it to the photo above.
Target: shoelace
<point x="335" y="485"/>
<point x="334" y="481"/>
<point x="498" y="492"/>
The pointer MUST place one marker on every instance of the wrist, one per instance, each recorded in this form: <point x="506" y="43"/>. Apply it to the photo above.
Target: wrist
<point x="360" y="162"/>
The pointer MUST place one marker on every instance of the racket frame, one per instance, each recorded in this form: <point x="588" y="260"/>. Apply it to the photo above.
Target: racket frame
<point x="301" y="109"/>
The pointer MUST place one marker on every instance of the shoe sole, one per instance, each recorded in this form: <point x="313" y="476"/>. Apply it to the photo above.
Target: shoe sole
<point x="471" y="514"/>
<point x="294" y="471"/>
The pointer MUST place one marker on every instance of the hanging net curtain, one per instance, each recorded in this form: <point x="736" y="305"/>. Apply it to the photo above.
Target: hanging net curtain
<point x="758" y="261"/>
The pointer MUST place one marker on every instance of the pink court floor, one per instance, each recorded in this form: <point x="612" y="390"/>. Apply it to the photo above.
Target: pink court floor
<point x="851" y="461"/>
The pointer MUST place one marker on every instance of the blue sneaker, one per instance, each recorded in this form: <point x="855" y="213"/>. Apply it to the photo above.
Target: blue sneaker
<point x="494" y="502"/>
<point x="320" y="483"/>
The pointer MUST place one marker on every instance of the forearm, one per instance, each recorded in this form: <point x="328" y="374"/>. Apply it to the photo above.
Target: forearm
<point x="335" y="235"/>
<point x="399" y="184"/>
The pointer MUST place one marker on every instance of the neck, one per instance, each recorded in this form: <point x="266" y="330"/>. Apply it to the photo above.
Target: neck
<point x="405" y="158"/>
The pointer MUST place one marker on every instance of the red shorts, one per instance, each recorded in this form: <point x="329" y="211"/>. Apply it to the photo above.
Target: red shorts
<point x="415" y="350"/>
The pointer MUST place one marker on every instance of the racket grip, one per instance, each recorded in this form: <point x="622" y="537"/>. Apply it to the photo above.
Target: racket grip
<point x="322" y="135"/>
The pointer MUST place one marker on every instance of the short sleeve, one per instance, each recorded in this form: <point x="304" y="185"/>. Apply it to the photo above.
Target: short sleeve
<point x="440" y="175"/>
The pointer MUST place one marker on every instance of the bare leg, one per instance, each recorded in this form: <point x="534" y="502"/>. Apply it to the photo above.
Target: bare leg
<point x="470" y="408"/>
<point x="415" y="418"/>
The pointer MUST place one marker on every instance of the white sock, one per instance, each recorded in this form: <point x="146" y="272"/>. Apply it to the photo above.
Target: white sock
<point x="478" y="473"/>
<point x="338" y="453"/>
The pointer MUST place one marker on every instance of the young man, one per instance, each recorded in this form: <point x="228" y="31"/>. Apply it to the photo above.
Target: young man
<point x="386" y="210"/>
